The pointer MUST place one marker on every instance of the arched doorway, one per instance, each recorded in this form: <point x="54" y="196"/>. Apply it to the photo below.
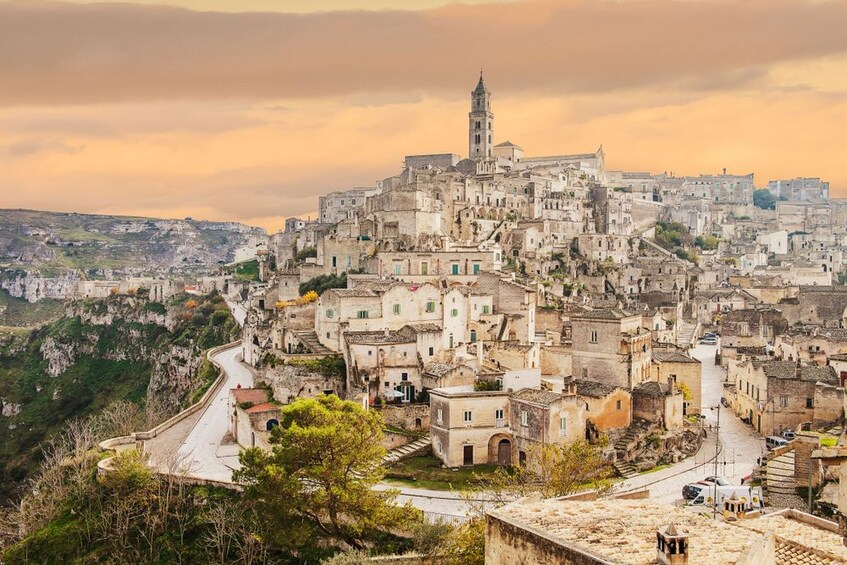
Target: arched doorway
<point x="504" y="452"/>
<point x="271" y="424"/>
<point x="500" y="449"/>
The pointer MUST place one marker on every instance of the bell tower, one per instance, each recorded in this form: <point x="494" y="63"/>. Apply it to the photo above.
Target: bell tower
<point x="481" y="123"/>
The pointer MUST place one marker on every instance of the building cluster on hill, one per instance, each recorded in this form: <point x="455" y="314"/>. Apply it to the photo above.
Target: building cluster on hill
<point x="503" y="302"/>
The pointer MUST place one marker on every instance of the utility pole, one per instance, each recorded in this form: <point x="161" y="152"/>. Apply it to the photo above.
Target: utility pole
<point x="717" y="448"/>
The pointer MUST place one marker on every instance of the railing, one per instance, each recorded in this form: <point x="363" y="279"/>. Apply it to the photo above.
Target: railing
<point x="435" y="517"/>
<point x="499" y="423"/>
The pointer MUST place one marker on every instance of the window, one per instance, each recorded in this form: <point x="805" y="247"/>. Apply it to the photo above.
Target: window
<point x="593" y="336"/>
<point x="810" y="403"/>
<point x="468" y="417"/>
<point x="473" y="336"/>
<point x="335" y="262"/>
<point x="524" y="418"/>
<point x="386" y="384"/>
<point x="362" y="314"/>
<point x="783" y="402"/>
<point x="439" y="416"/>
<point x="454" y="269"/>
<point x="498" y="418"/>
<point x="330" y="313"/>
<point x="396" y="309"/>
<point x="398" y="269"/>
<point x="476" y="268"/>
<point x="431" y="351"/>
<point x="618" y="405"/>
<point x="404" y="376"/>
<point x="430" y="306"/>
<point x="563" y="425"/>
<point x="454" y="312"/>
<point x="424" y="268"/>
<point x="486" y="309"/>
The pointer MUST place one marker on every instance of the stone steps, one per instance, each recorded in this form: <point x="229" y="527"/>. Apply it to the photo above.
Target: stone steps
<point x="417" y="447"/>
<point x="625" y="470"/>
<point x="311" y="341"/>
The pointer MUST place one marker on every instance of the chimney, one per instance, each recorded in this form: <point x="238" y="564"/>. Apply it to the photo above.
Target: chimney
<point x="671" y="546"/>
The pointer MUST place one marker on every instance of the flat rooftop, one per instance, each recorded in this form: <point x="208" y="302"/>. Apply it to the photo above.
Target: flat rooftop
<point x="624" y="531"/>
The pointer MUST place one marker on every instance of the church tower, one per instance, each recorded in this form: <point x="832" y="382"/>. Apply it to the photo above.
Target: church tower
<point x="481" y="123"/>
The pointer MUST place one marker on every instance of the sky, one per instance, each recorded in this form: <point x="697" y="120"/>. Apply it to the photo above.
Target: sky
<point x="248" y="110"/>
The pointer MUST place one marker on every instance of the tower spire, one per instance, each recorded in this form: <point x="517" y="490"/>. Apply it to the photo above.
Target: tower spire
<point x="481" y="122"/>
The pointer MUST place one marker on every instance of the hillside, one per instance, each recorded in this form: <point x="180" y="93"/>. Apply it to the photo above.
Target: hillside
<point x="120" y="348"/>
<point x="106" y="246"/>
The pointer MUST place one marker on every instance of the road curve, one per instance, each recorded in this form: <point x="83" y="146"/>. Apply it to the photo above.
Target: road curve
<point x="198" y="452"/>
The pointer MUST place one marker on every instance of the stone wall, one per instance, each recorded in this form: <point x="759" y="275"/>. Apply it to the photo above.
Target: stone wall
<point x="412" y="417"/>
<point x="507" y="544"/>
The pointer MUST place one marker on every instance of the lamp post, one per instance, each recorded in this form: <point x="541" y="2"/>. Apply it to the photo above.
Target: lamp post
<point x="717" y="451"/>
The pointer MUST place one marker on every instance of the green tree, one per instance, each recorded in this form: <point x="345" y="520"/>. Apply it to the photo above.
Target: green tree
<point x="321" y="283"/>
<point x="764" y="199"/>
<point x="316" y="482"/>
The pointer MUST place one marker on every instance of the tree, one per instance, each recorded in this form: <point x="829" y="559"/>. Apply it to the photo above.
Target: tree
<point x="316" y="483"/>
<point x="764" y="199"/>
<point x="551" y="471"/>
<point x="321" y="283"/>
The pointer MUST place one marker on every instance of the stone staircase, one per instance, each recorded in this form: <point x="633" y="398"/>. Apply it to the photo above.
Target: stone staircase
<point x="417" y="447"/>
<point x="685" y="333"/>
<point x="625" y="469"/>
<point x="635" y="431"/>
<point x="779" y="475"/>
<point x="310" y="340"/>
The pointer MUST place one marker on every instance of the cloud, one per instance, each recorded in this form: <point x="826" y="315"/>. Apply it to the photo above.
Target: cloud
<point x="31" y="147"/>
<point x="58" y="53"/>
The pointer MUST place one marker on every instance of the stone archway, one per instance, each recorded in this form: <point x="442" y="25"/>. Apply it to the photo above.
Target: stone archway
<point x="500" y="449"/>
<point x="271" y="424"/>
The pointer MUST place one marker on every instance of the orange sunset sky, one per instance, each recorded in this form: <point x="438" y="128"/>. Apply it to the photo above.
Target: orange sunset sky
<point x="249" y="109"/>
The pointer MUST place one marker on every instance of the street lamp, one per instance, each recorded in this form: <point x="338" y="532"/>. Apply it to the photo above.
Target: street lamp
<point x="717" y="451"/>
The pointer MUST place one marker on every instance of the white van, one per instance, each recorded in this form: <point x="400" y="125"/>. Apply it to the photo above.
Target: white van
<point x="772" y="442"/>
<point x="751" y="496"/>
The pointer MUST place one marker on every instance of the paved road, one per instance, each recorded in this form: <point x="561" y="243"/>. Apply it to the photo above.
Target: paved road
<point x="200" y="452"/>
<point x="239" y="312"/>
<point x="741" y="446"/>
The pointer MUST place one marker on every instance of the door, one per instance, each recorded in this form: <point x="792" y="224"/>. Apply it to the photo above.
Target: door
<point x="504" y="452"/>
<point x="468" y="455"/>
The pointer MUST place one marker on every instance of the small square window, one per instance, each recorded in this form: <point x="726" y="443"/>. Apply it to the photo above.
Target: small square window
<point x="468" y="416"/>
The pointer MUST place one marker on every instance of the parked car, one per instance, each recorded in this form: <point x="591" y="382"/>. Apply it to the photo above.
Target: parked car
<point x="709" y="341"/>
<point x="772" y="442"/>
<point x="693" y="490"/>
<point x="725" y="402"/>
<point x="710" y="334"/>
<point x="789" y="434"/>
<point x="721" y="481"/>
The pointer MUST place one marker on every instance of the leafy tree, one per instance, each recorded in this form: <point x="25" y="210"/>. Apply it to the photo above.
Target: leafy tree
<point x="706" y="243"/>
<point x="316" y="483"/>
<point x="321" y="283"/>
<point x="764" y="199"/>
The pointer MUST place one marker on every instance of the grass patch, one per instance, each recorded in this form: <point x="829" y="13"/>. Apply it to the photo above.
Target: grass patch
<point x="427" y="472"/>
<point x="654" y="469"/>
<point x="828" y="440"/>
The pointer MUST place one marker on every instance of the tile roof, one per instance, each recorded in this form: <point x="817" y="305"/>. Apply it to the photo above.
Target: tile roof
<point x="536" y="396"/>
<point x="438" y="369"/>
<point x="263" y="407"/>
<point x="673" y="357"/>
<point x="249" y="395"/>
<point x="651" y="388"/>
<point x="789" y="370"/>
<point x="604" y="314"/>
<point x="593" y="389"/>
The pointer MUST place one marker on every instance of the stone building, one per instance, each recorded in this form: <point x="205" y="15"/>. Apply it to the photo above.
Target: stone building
<point x="610" y="346"/>
<point x="252" y="416"/>
<point x="773" y="396"/>
<point x="675" y="367"/>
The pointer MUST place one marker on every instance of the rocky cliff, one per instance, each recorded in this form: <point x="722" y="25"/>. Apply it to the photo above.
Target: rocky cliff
<point x="122" y="347"/>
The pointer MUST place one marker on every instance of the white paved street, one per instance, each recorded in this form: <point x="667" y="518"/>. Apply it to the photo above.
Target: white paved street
<point x="199" y="451"/>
